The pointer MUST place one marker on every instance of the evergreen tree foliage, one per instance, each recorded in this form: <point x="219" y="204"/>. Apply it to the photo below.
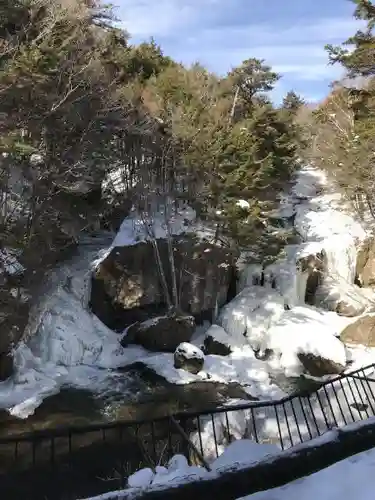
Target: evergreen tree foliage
<point x="345" y="122"/>
<point x="79" y="100"/>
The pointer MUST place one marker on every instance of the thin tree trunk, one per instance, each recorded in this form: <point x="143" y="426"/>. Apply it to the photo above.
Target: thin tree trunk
<point x="158" y="260"/>
<point x="233" y="110"/>
<point x="370" y="206"/>
<point x="172" y="264"/>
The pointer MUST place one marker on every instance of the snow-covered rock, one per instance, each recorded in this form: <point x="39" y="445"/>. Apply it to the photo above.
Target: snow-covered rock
<point x="188" y="357"/>
<point x="237" y="454"/>
<point x="141" y="478"/>
<point x="308" y="332"/>
<point x="318" y="366"/>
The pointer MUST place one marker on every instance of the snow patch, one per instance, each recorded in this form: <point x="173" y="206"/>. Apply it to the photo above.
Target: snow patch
<point x="243" y="452"/>
<point x="189" y="351"/>
<point x="251" y="313"/>
<point x="352" y="479"/>
<point x="243" y="204"/>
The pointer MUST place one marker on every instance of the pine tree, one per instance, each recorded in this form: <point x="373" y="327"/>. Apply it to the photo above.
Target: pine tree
<point x="292" y="102"/>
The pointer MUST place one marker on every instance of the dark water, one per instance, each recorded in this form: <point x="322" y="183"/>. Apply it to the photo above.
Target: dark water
<point x="76" y="464"/>
<point x="152" y="397"/>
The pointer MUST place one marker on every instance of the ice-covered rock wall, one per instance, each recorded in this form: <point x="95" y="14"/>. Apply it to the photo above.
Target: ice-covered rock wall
<point x="67" y="344"/>
<point x="271" y="311"/>
<point x="330" y="238"/>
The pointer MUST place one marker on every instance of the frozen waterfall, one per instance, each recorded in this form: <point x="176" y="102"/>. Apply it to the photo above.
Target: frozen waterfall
<point x="68" y="345"/>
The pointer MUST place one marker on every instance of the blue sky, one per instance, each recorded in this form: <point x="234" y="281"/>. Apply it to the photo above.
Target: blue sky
<point x="289" y="34"/>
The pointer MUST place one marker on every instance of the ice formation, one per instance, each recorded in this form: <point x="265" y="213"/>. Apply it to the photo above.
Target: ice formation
<point x="330" y="236"/>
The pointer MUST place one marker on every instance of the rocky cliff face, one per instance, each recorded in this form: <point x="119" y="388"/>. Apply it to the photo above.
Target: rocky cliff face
<point x="126" y="284"/>
<point x="360" y="332"/>
<point x="13" y="318"/>
<point x="365" y="266"/>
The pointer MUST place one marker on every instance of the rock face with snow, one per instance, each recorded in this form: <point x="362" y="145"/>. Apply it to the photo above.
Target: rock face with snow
<point x="217" y="341"/>
<point x="361" y="332"/>
<point x="127" y="279"/>
<point x="163" y="333"/>
<point x="13" y="318"/>
<point x="318" y="366"/>
<point x="189" y="358"/>
<point x="13" y="309"/>
<point x="365" y="265"/>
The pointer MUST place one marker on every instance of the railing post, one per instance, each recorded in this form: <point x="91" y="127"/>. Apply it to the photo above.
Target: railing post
<point x="185" y="444"/>
<point x="187" y="439"/>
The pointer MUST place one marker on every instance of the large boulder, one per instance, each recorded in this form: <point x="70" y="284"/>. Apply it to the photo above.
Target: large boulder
<point x="163" y="333"/>
<point x="361" y="332"/>
<point x="189" y="358"/>
<point x="365" y="266"/>
<point x="318" y="366"/>
<point x="127" y="280"/>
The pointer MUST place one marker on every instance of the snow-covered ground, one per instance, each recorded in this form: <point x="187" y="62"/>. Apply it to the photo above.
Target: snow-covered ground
<point x="349" y="479"/>
<point x="71" y="347"/>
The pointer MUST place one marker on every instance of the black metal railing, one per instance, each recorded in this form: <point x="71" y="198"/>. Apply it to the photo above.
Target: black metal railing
<point x="76" y="462"/>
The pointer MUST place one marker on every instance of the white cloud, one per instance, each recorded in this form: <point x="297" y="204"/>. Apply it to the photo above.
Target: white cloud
<point x="320" y="30"/>
<point x="146" y="18"/>
<point x="188" y="31"/>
